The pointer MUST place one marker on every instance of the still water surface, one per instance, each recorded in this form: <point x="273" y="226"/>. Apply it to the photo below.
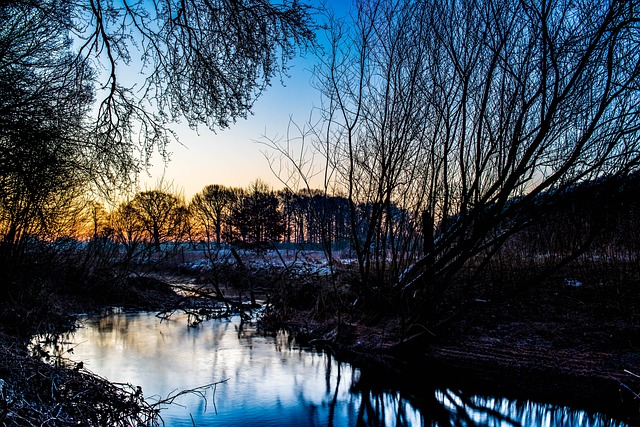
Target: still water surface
<point x="269" y="381"/>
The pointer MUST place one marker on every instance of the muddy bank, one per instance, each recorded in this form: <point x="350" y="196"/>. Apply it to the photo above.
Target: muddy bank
<point x="572" y="342"/>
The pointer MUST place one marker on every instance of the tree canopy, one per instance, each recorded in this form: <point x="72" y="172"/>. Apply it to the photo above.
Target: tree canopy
<point x="198" y="60"/>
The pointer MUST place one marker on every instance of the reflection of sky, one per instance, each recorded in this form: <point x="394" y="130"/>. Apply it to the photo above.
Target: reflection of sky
<point x="270" y="382"/>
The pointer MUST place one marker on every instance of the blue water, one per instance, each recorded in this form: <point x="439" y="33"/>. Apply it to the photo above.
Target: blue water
<point x="269" y="381"/>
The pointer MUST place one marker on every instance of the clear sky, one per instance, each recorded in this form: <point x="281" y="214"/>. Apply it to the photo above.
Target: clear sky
<point x="232" y="157"/>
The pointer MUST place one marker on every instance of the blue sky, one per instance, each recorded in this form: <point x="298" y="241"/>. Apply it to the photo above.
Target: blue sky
<point x="232" y="156"/>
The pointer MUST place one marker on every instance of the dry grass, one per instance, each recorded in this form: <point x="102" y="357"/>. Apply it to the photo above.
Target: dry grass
<point x="35" y="393"/>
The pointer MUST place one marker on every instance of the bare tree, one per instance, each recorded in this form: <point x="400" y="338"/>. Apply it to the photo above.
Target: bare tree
<point x="257" y="217"/>
<point x="206" y="62"/>
<point x="469" y="117"/>
<point x="162" y="216"/>
<point x="69" y="117"/>
<point x="210" y="210"/>
<point x="372" y="134"/>
<point x="43" y="103"/>
<point x="529" y="100"/>
<point x="203" y="61"/>
<point x="127" y="231"/>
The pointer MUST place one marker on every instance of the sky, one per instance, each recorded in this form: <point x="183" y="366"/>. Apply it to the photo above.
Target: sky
<point x="234" y="157"/>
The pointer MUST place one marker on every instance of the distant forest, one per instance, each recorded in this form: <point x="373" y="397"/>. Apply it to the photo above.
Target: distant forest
<point x="256" y="217"/>
<point x="598" y="217"/>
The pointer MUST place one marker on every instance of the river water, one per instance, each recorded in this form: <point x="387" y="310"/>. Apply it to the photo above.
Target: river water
<point x="270" y="381"/>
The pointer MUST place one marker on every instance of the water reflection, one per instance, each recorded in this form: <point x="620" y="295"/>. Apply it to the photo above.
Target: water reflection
<point x="269" y="381"/>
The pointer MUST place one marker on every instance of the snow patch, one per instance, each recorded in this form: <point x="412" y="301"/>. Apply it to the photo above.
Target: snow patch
<point x="572" y="283"/>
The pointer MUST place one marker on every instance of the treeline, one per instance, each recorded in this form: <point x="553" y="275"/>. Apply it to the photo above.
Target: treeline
<point x="256" y="217"/>
<point x="598" y="216"/>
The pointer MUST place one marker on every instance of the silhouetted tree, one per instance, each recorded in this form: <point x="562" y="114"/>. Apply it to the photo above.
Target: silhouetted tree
<point x="75" y="119"/>
<point x="44" y="97"/>
<point x="127" y="230"/>
<point x="469" y="111"/>
<point x="162" y="216"/>
<point x="200" y="60"/>
<point x="210" y="210"/>
<point x="257" y="216"/>
<point x="285" y="201"/>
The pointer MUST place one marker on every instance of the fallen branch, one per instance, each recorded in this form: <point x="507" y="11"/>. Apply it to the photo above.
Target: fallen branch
<point x="200" y="391"/>
<point x="192" y="305"/>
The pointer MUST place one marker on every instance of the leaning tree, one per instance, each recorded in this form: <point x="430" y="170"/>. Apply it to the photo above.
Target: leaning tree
<point x="471" y="116"/>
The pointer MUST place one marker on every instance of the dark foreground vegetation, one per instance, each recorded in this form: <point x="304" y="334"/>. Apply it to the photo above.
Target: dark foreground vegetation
<point x="36" y="393"/>
<point x="530" y="320"/>
<point x="568" y="331"/>
<point x="42" y="300"/>
<point x="477" y="206"/>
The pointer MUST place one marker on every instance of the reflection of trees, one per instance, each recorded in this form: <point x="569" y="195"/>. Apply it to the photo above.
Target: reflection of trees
<point x="334" y="400"/>
<point x="386" y="399"/>
<point x="473" y="410"/>
<point x="466" y="411"/>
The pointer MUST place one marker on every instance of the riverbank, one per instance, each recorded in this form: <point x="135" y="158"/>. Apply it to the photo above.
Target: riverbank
<point x="534" y="326"/>
<point x="36" y="391"/>
<point x="574" y="341"/>
<point x="602" y="381"/>
<point x="38" y="387"/>
<point x="572" y="335"/>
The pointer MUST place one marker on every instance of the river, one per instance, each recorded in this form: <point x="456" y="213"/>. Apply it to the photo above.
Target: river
<point x="270" y="381"/>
